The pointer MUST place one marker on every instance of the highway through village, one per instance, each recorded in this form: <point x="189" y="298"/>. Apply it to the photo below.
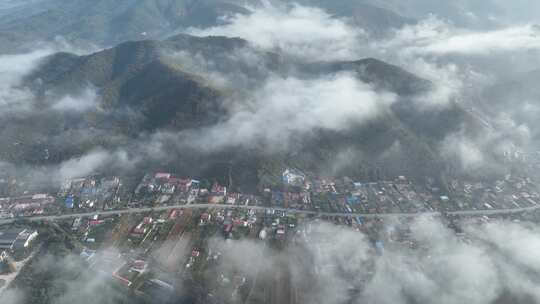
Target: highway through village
<point x="57" y="217"/>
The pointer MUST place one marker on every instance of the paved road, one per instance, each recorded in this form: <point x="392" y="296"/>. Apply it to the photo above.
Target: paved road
<point x="294" y="211"/>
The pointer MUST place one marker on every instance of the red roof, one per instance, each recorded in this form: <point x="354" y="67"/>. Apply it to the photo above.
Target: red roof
<point x="173" y="214"/>
<point x="162" y="175"/>
<point x="95" y="222"/>
<point x="139" y="264"/>
<point x="122" y="279"/>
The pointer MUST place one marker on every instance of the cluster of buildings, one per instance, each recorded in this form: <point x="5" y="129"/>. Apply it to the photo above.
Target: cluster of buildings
<point x="141" y="268"/>
<point x="27" y="205"/>
<point x="130" y="271"/>
<point x="90" y="228"/>
<point x="143" y="227"/>
<point x="136" y="267"/>
<point x="293" y="177"/>
<point x="128" y="268"/>
<point x="91" y="192"/>
<point x="16" y="242"/>
<point x="296" y="191"/>
<point x="165" y="187"/>
<point x="512" y="192"/>
<point x="120" y="267"/>
<point x="233" y="221"/>
<point x="343" y="195"/>
<point x="165" y="183"/>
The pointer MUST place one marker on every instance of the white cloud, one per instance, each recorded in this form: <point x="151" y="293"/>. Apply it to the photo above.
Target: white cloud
<point x="289" y="107"/>
<point x="509" y="39"/>
<point x="13" y="97"/>
<point x="91" y="163"/>
<point x="306" y="32"/>
<point x="84" y="165"/>
<point x="11" y="296"/>
<point x="467" y="152"/>
<point x="447" y="80"/>
<point x="520" y="243"/>
<point x="333" y="264"/>
<point x="16" y="97"/>
<point x="443" y="268"/>
<point x="87" y="100"/>
<point x="334" y="261"/>
<point x="435" y="37"/>
<point x="459" y="62"/>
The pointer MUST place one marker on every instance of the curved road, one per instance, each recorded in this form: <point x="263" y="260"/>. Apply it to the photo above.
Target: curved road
<point x="295" y="211"/>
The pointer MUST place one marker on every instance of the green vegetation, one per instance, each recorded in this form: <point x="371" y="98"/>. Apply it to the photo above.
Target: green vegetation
<point x="399" y="142"/>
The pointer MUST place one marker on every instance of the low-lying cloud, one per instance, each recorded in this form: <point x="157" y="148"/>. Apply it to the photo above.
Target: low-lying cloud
<point x="285" y="108"/>
<point x="332" y="264"/>
<point x="16" y="98"/>
<point x="438" y="38"/>
<point x="13" y="96"/>
<point x="85" y="101"/>
<point x="304" y="32"/>
<point x="51" y="176"/>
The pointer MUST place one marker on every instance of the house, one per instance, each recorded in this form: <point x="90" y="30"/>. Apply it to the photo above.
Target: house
<point x="139" y="266"/>
<point x="3" y="256"/>
<point x="174" y="214"/>
<point x="280" y="232"/>
<point x="205" y="217"/>
<point x="219" y="190"/>
<point x="161" y="175"/>
<point x="76" y="224"/>
<point x="215" y="199"/>
<point x="217" y="194"/>
<point x="184" y="184"/>
<point x="70" y="202"/>
<point x="353" y="200"/>
<point x="231" y="200"/>
<point x="293" y="177"/>
<point x="168" y="188"/>
<point x="95" y="222"/>
<point x="17" y="241"/>
<point x="227" y="228"/>
<point x="130" y="271"/>
<point x="87" y="254"/>
<point x="139" y="230"/>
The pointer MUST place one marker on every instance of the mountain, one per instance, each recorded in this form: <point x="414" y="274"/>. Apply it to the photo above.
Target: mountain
<point x="375" y="19"/>
<point x="122" y="76"/>
<point x="105" y="22"/>
<point x="141" y="89"/>
<point x="379" y="73"/>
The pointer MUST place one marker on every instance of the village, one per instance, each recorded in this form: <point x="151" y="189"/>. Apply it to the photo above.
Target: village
<point x="296" y="192"/>
<point x="149" y="252"/>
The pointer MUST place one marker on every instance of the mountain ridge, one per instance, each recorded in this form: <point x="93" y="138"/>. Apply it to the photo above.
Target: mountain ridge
<point x="141" y="89"/>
